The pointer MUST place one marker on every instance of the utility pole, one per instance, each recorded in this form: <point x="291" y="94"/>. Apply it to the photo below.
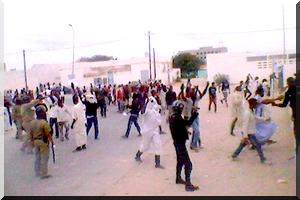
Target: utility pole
<point x="283" y="29"/>
<point x="149" y="55"/>
<point x="26" y="87"/>
<point x="73" y="50"/>
<point x="154" y="64"/>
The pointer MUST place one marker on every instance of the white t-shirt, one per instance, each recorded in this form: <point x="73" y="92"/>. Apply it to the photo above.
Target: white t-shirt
<point x="63" y="114"/>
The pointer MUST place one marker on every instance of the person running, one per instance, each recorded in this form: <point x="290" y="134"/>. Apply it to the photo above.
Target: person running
<point x="134" y="114"/>
<point x="78" y="124"/>
<point x="212" y="91"/>
<point x="179" y="135"/>
<point x="151" y="120"/>
<point x="246" y="87"/>
<point x="225" y="88"/>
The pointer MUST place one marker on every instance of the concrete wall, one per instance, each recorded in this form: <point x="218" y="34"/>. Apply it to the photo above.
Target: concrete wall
<point x="237" y="67"/>
<point x="60" y="72"/>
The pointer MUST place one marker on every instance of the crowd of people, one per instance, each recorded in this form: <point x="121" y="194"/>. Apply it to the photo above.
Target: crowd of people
<point x="41" y="114"/>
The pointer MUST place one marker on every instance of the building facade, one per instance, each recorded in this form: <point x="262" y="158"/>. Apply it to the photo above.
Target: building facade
<point x="105" y="72"/>
<point x="202" y="52"/>
<point x="239" y="65"/>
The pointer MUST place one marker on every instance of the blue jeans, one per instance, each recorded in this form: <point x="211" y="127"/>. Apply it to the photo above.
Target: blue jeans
<point x="132" y="119"/>
<point x="121" y="106"/>
<point x="254" y="142"/>
<point x="90" y="122"/>
<point x="195" y="139"/>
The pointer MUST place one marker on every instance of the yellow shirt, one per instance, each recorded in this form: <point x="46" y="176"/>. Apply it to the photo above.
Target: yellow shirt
<point x="40" y="128"/>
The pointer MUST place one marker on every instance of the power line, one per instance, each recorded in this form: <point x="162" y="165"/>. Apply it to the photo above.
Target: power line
<point x="169" y="34"/>
<point x="224" y="33"/>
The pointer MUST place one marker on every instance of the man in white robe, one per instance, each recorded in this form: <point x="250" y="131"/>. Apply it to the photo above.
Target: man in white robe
<point x="151" y="120"/>
<point x="78" y="124"/>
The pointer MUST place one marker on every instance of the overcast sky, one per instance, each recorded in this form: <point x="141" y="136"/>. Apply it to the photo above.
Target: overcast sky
<point x="119" y="28"/>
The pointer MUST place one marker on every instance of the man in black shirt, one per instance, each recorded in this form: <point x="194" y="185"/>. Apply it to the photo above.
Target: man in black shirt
<point x="212" y="96"/>
<point x="170" y="98"/>
<point x="290" y="97"/>
<point x="91" y="107"/>
<point x="180" y="135"/>
<point x="135" y="109"/>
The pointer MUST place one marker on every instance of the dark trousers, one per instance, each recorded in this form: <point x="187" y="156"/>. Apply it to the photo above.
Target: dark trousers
<point x="212" y="100"/>
<point x="132" y="119"/>
<point x="90" y="122"/>
<point x="53" y="121"/>
<point x="103" y="110"/>
<point x="109" y="100"/>
<point x="183" y="159"/>
<point x="9" y="115"/>
<point x="247" y="91"/>
<point x="254" y="142"/>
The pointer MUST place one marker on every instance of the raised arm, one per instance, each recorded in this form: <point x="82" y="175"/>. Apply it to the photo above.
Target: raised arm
<point x="204" y="91"/>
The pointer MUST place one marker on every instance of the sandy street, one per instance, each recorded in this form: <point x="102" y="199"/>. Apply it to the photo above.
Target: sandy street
<point x="108" y="167"/>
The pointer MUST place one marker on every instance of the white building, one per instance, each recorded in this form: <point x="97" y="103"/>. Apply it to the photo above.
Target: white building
<point x="106" y="72"/>
<point x="238" y="65"/>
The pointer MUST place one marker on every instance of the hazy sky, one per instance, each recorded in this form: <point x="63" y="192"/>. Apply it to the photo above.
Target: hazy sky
<point x="119" y="27"/>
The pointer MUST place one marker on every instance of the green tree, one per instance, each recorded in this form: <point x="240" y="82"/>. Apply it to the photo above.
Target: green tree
<point x="188" y="63"/>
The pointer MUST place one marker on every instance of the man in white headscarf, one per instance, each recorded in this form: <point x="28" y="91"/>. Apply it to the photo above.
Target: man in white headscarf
<point x="78" y="124"/>
<point x="151" y="120"/>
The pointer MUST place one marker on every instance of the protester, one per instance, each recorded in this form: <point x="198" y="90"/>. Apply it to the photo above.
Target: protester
<point x="256" y="134"/>
<point x="180" y="135"/>
<point x="78" y="124"/>
<point x="225" y="88"/>
<point x="196" y="139"/>
<point x="212" y="91"/>
<point x="134" y="115"/>
<point x="91" y="107"/>
<point x="290" y="98"/>
<point x="151" y="137"/>
<point x="63" y="118"/>
<point x="170" y="98"/>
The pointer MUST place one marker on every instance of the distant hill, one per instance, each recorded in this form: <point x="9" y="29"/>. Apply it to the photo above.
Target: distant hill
<point x="95" y="58"/>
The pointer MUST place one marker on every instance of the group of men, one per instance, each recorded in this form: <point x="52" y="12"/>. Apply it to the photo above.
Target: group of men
<point x="147" y="103"/>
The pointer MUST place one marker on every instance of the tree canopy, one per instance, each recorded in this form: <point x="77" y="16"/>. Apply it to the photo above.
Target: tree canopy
<point x="188" y="63"/>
